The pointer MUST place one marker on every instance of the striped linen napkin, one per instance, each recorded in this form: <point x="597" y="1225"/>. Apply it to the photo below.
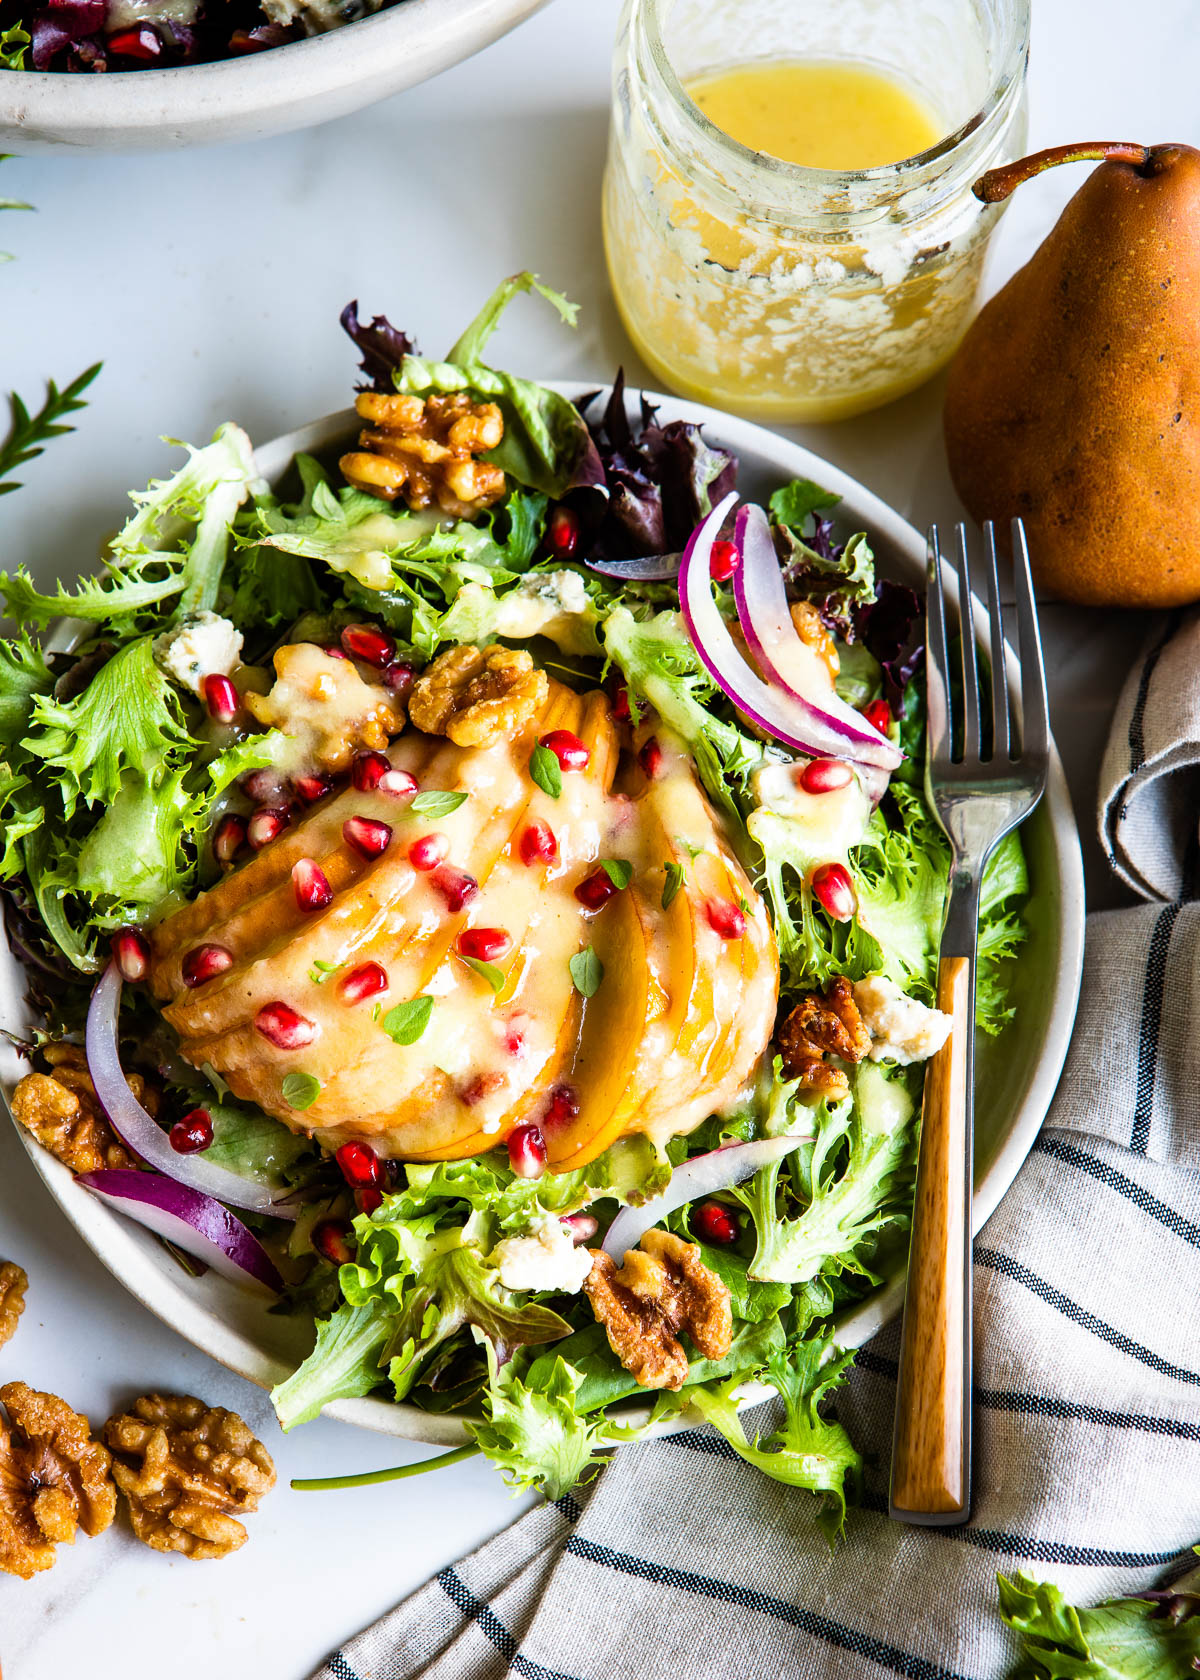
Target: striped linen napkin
<point x="682" y="1561"/>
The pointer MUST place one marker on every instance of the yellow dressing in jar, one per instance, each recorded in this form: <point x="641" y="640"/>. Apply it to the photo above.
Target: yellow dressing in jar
<point x="793" y="236"/>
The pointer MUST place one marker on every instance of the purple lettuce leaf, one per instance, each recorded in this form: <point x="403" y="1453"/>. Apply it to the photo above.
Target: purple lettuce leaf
<point x="383" y="347"/>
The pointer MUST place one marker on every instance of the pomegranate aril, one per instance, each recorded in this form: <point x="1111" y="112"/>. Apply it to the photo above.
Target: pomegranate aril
<point x="562" y="532"/>
<point x="229" y="837"/>
<point x="879" y="715"/>
<point x="333" y="651"/>
<point x="334" y="1240"/>
<point x="220" y="697"/>
<point x="283" y="1027"/>
<point x="483" y="944"/>
<point x="456" y="887"/>
<point x="620" y="706"/>
<point x="398" y="677"/>
<point x="397" y="784"/>
<point x="368" y="1199"/>
<point x="725" y="917"/>
<point x="364" y="982"/>
<point x="825" y="775"/>
<point x="713" y="1223"/>
<point x="131" y="953"/>
<point x="267" y="824"/>
<point x="142" y="43"/>
<point x="527" y="1152"/>
<point x="567" y="748"/>
<point x="562" y="1106"/>
<point x="651" y="759"/>
<point x="428" y="851"/>
<point x="312" y="788"/>
<point x="538" y="844"/>
<point x="595" y="890"/>
<point x="581" y="1226"/>
<point x="311" y="885"/>
<point x="367" y="836"/>
<point x="368" y="770"/>
<point x="192" y="1133"/>
<point x="724" y="561"/>
<point x="361" y="1167"/>
<point x="265" y="786"/>
<point x="204" y="962"/>
<point x="834" y="891"/>
<point x="365" y="642"/>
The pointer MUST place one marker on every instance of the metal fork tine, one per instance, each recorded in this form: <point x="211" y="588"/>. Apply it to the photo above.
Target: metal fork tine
<point x="937" y="698"/>
<point x="1035" y="728"/>
<point x="1002" y="742"/>
<point x="970" y="664"/>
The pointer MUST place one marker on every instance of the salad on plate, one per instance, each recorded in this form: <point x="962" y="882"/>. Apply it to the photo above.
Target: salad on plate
<point x="479" y="891"/>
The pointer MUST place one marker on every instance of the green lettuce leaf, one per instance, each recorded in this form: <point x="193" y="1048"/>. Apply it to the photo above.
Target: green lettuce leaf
<point x="1122" y="1639"/>
<point x="343" y="1365"/>
<point x="535" y="1432"/>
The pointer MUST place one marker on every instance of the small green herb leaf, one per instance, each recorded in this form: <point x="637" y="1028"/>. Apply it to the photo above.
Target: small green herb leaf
<point x="587" y="971"/>
<point x="618" y="871"/>
<point x="675" y="880"/>
<point x="546" y="771"/>
<point x="407" y="1021"/>
<point x="29" y="434"/>
<point x="320" y="972"/>
<point x="300" y="1090"/>
<point x="437" y="803"/>
<point x="494" y="976"/>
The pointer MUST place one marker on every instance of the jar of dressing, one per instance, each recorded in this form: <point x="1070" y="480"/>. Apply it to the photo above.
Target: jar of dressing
<point x="767" y="252"/>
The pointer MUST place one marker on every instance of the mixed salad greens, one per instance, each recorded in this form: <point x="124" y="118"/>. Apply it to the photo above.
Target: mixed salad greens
<point x="112" y="777"/>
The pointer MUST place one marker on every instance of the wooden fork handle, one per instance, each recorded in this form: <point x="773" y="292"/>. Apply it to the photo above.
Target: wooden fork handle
<point x="931" y="1453"/>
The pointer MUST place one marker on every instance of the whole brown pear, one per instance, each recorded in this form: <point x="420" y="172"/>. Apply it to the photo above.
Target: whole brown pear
<point x="1074" y="400"/>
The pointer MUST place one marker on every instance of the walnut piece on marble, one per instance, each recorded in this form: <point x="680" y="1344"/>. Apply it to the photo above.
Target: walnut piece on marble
<point x="662" y="1290"/>
<point x="425" y="450"/>
<point x="63" y="1113"/>
<point x="323" y="703"/>
<point x="13" y="1284"/>
<point x="823" y="1024"/>
<point x="188" y="1471"/>
<point x="478" y="696"/>
<point x="54" y="1479"/>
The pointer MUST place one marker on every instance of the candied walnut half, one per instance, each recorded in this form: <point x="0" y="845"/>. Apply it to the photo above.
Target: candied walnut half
<point x="823" y="1024"/>
<point x="662" y="1290"/>
<point x="54" y="1479"/>
<point x="324" y="704"/>
<point x="188" y="1471"/>
<point x="424" y="449"/>
<point x="478" y="696"/>
<point x="62" y="1111"/>
<point x="13" y="1284"/>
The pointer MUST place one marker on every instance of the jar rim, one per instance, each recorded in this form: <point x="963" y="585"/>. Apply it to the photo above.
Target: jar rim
<point x="1009" y="71"/>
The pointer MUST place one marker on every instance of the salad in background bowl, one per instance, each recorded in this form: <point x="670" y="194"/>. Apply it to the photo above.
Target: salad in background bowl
<point x="496" y="852"/>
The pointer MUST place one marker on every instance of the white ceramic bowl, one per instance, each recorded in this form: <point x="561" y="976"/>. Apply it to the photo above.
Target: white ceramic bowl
<point x="246" y="98"/>
<point x="1016" y="1074"/>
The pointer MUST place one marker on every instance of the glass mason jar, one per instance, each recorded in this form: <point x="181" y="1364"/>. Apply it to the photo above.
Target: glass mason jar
<point x="787" y="293"/>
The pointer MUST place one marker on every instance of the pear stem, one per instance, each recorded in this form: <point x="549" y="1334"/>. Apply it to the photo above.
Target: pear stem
<point x="996" y="185"/>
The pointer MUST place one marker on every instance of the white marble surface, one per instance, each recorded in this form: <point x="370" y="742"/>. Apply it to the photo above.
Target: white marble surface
<point x="210" y="283"/>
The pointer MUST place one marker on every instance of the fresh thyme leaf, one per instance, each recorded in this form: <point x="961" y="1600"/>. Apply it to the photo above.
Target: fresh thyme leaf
<point x="300" y="1090"/>
<point x="29" y="433"/>
<point x="320" y="972"/>
<point x="546" y="771"/>
<point x="494" y="976"/>
<point x="407" y="1021"/>
<point x="675" y="880"/>
<point x="587" y="971"/>
<point x="437" y="803"/>
<point x="692" y="851"/>
<point x="618" y="871"/>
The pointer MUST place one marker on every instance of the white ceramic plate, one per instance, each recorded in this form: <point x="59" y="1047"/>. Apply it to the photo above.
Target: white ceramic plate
<point x="1016" y="1075"/>
<point x="293" y="86"/>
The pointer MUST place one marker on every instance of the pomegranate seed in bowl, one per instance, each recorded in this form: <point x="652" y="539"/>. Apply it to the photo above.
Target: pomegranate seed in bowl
<point x="368" y="1199"/>
<point x="713" y="1223"/>
<point x="582" y="1227"/>
<point x="220" y="697"/>
<point x="131" y="953"/>
<point x="368" y="770"/>
<point x="311" y="885"/>
<point x="562" y="1106"/>
<point x="428" y="851"/>
<point x="360" y="1165"/>
<point x="651" y="759"/>
<point x="825" y="775"/>
<point x="483" y="944"/>
<point x="595" y="890"/>
<point x="562" y="532"/>
<point x="397" y="784"/>
<point x="724" y="561"/>
<point x="333" y="1239"/>
<point x="455" y="885"/>
<point x="879" y="715"/>
<point x="567" y="748"/>
<point x="538" y="844"/>
<point x="267" y="824"/>
<point x="266" y="786"/>
<point x="229" y="837"/>
<point x="366" y="981"/>
<point x="365" y="642"/>
<point x="192" y="1133"/>
<point x="725" y="917"/>
<point x="620" y="706"/>
<point x="834" y="891"/>
<point x="205" y="962"/>
<point x="398" y="677"/>
<point x="312" y="788"/>
<point x="284" y="1027"/>
<point x="369" y="838"/>
<point x="527" y="1152"/>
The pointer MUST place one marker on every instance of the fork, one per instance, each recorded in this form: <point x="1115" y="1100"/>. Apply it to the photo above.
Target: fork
<point x="981" y="782"/>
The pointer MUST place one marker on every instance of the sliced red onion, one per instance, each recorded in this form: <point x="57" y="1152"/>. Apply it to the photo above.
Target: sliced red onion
<point x="194" y="1222"/>
<point x="817" y="731"/>
<point x="702" y="1176"/>
<point x="141" y="1132"/>
<point x="648" y="568"/>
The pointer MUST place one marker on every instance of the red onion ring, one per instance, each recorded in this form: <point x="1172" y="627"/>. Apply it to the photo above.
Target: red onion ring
<point x="194" y="1222"/>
